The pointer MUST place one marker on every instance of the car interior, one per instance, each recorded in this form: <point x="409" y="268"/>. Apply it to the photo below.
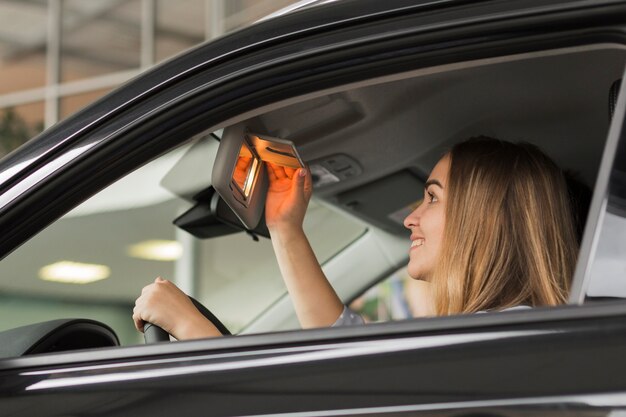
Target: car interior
<point x="370" y="147"/>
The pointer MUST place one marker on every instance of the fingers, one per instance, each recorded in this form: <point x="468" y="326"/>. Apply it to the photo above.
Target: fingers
<point x="275" y="172"/>
<point x="270" y="172"/>
<point x="243" y="162"/>
<point x="290" y="172"/>
<point x="302" y="183"/>
<point x="279" y="171"/>
<point x="298" y="178"/>
<point x="139" y="323"/>
<point x="149" y="297"/>
<point x="308" y="182"/>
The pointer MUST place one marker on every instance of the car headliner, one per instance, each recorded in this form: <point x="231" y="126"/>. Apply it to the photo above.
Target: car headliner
<point x="556" y="99"/>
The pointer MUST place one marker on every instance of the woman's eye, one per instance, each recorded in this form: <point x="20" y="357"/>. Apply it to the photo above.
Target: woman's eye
<point x="431" y="197"/>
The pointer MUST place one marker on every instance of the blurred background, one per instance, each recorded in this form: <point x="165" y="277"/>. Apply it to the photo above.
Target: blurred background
<point x="57" y="56"/>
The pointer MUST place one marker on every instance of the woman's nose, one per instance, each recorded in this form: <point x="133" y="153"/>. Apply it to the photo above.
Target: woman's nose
<point x="412" y="220"/>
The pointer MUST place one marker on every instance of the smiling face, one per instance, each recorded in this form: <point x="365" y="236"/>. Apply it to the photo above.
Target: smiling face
<point x="426" y="223"/>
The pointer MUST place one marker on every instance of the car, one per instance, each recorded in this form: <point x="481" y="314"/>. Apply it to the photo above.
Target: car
<point x="371" y="94"/>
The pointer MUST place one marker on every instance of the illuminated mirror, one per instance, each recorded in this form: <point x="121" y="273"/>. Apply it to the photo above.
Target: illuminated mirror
<point x="245" y="170"/>
<point x="239" y="175"/>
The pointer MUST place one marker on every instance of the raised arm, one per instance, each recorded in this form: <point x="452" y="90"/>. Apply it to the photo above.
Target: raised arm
<point x="314" y="299"/>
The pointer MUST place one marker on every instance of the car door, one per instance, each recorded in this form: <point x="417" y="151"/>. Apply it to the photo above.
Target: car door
<point x="559" y="361"/>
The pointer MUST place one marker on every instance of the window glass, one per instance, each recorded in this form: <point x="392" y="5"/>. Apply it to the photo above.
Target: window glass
<point x="608" y="273"/>
<point x="95" y="260"/>
<point x="608" y="267"/>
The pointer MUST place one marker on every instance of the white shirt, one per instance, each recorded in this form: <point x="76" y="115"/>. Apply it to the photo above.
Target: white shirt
<point x="350" y="318"/>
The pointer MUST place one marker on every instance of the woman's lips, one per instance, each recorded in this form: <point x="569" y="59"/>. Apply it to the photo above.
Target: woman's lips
<point x="417" y="243"/>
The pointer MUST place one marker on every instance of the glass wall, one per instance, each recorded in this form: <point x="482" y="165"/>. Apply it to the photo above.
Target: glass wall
<point x="99" y="37"/>
<point x="23" y="29"/>
<point x="57" y="56"/>
<point x="180" y="25"/>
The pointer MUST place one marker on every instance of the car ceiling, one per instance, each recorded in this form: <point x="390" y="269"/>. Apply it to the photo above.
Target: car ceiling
<point x="557" y="100"/>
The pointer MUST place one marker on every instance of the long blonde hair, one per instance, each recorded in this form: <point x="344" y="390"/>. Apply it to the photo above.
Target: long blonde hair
<point x="509" y="234"/>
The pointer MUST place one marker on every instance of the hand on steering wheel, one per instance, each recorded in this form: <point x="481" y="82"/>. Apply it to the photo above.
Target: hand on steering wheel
<point x="162" y="304"/>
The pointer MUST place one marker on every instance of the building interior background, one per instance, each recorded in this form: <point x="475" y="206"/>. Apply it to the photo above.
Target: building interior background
<point x="57" y="56"/>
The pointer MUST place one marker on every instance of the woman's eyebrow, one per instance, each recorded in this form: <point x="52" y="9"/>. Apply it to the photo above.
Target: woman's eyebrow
<point x="433" y="182"/>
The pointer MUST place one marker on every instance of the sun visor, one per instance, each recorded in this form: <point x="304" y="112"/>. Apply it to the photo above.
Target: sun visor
<point x="387" y="201"/>
<point x="239" y="173"/>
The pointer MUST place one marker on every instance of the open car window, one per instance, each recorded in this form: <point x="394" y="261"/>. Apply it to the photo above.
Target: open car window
<point x="366" y="144"/>
<point x="397" y="297"/>
<point x="93" y="262"/>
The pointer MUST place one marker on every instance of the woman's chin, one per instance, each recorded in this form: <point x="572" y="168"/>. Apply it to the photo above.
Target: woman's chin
<point x="418" y="273"/>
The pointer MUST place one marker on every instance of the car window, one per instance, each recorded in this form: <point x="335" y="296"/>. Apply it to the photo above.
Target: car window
<point x="93" y="262"/>
<point x="572" y="133"/>
<point x="396" y="297"/>
<point x="124" y="236"/>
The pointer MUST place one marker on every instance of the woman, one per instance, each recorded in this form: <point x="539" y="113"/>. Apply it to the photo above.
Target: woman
<point x="494" y="231"/>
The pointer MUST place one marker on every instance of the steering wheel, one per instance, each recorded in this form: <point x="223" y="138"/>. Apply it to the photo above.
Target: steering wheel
<point x="154" y="334"/>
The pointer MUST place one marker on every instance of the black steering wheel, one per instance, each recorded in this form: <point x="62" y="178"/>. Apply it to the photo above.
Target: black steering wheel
<point x="154" y="334"/>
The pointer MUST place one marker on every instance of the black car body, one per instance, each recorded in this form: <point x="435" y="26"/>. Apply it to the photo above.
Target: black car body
<point x="568" y="360"/>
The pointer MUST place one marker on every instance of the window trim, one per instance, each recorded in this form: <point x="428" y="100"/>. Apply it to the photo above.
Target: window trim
<point x="597" y="211"/>
<point x="555" y="318"/>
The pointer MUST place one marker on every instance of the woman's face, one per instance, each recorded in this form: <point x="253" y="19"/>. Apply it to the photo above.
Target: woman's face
<point x="426" y="223"/>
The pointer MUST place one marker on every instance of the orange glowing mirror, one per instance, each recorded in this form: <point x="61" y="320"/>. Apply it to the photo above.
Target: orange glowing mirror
<point x="245" y="170"/>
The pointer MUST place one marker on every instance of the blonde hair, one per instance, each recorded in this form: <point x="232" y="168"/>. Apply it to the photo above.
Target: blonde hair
<point x="509" y="233"/>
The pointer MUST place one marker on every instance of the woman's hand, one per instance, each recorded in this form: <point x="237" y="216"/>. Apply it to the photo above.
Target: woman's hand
<point x="288" y="196"/>
<point x="163" y="304"/>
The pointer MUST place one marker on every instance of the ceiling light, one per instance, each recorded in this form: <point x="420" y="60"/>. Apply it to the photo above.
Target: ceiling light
<point x="156" y="250"/>
<point x="74" y="272"/>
